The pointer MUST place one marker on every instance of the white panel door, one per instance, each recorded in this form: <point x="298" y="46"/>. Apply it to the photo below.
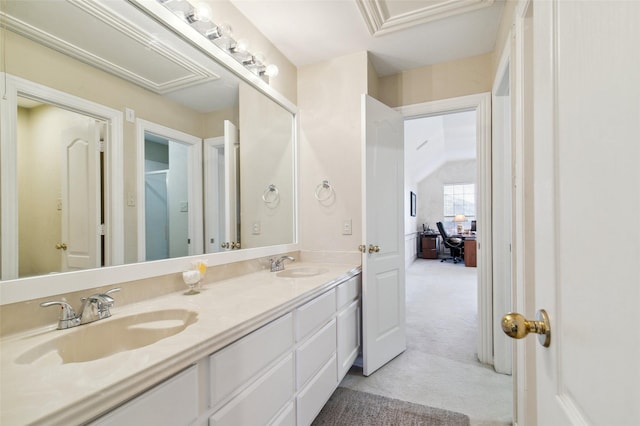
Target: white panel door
<point x="383" y="292"/>
<point x="587" y="198"/>
<point x="81" y="195"/>
<point x="232" y="182"/>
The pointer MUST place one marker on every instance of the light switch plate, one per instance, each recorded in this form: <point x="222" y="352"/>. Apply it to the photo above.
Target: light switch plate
<point x="255" y="229"/>
<point x="346" y="227"/>
<point x="130" y="115"/>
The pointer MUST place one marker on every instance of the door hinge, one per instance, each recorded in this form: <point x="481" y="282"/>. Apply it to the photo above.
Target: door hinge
<point x="100" y="146"/>
<point x="101" y="229"/>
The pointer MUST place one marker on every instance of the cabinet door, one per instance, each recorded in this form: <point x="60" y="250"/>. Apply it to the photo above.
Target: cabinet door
<point x="314" y="353"/>
<point x="348" y="337"/>
<point x="232" y="367"/>
<point x="317" y="392"/>
<point x="262" y="401"/>
<point x="313" y="315"/>
<point x="174" y="402"/>
<point x="348" y="291"/>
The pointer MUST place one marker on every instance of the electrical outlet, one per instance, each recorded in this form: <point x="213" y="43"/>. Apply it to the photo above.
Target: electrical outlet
<point x="131" y="200"/>
<point x="255" y="229"/>
<point x="184" y="206"/>
<point x="346" y="227"/>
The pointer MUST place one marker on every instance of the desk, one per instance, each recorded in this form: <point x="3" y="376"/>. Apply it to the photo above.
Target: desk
<point x="470" y="253"/>
<point x="428" y="246"/>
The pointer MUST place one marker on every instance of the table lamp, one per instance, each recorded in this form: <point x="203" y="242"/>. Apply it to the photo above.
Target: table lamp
<point x="459" y="218"/>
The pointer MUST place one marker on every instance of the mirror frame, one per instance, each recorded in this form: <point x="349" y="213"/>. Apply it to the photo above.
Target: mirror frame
<point x="24" y="289"/>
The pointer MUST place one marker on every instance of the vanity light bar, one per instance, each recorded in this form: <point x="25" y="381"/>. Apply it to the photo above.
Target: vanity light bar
<point x="199" y="17"/>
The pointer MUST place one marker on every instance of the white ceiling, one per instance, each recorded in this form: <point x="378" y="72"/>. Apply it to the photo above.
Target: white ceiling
<point x="400" y="34"/>
<point x="431" y="142"/>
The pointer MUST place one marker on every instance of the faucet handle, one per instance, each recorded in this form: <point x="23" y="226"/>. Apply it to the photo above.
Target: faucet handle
<point x="68" y="317"/>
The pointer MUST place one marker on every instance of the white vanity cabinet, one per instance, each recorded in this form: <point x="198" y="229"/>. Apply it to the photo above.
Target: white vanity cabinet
<point x="252" y="379"/>
<point x="348" y="324"/>
<point x="172" y="402"/>
<point x="323" y="357"/>
<point x="315" y="355"/>
<point x="280" y="374"/>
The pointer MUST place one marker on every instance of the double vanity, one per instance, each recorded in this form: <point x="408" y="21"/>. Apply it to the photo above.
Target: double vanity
<point x="260" y="348"/>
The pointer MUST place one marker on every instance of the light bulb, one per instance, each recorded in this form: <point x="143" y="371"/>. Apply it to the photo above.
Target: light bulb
<point x="202" y="12"/>
<point x="242" y="46"/>
<point x="271" y="70"/>
<point x="259" y="58"/>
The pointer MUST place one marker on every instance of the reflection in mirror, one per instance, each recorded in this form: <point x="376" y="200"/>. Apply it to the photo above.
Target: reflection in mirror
<point x="170" y="219"/>
<point x="267" y="183"/>
<point x="222" y="190"/>
<point x="164" y="183"/>
<point x="60" y="189"/>
<point x="160" y="77"/>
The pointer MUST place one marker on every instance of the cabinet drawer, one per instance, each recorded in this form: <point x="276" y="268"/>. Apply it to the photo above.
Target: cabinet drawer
<point x="312" y="315"/>
<point x="314" y="353"/>
<point x="173" y="402"/>
<point x="348" y="291"/>
<point x="348" y="323"/>
<point x="260" y="402"/>
<point x="233" y="366"/>
<point x="287" y="417"/>
<point x="313" y="397"/>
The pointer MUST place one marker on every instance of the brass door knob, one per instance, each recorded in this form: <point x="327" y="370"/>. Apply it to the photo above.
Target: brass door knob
<point x="517" y="326"/>
<point x="362" y="248"/>
<point x="373" y="249"/>
<point x="61" y="246"/>
<point x="235" y="245"/>
<point x="224" y="245"/>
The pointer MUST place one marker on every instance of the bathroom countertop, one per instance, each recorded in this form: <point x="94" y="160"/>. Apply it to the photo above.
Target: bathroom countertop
<point x="48" y="391"/>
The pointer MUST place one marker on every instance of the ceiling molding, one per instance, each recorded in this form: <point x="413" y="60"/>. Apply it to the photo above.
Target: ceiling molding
<point x="379" y="21"/>
<point x="194" y="73"/>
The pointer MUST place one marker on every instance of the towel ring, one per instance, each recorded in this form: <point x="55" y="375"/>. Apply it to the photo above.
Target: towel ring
<point x="271" y="189"/>
<point x="325" y="186"/>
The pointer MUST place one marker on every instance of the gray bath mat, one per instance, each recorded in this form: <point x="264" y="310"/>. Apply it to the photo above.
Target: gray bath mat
<point x="349" y="407"/>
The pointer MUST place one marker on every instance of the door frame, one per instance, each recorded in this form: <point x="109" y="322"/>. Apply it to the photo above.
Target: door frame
<point x="503" y="132"/>
<point x="481" y="103"/>
<point x="113" y="169"/>
<point x="213" y="149"/>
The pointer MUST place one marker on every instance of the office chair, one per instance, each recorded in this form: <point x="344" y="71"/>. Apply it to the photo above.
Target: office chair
<point x="455" y="245"/>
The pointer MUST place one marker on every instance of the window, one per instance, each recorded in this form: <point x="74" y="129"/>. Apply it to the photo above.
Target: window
<point x="459" y="199"/>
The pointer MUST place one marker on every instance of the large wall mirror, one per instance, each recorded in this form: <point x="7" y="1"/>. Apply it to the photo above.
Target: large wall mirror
<point x="116" y="155"/>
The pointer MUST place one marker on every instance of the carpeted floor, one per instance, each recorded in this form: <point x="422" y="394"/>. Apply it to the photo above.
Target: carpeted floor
<point x="440" y="367"/>
<point x="354" y="408"/>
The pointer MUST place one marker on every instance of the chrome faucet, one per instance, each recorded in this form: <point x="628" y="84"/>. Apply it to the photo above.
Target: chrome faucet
<point x="94" y="308"/>
<point x="278" y="264"/>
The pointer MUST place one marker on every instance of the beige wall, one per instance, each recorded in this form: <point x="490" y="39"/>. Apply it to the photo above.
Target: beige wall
<point x="440" y="81"/>
<point x="506" y="23"/>
<point x="39" y="227"/>
<point x="266" y="158"/>
<point x="285" y="82"/>
<point x="213" y="122"/>
<point x="329" y="100"/>
<point x="430" y="195"/>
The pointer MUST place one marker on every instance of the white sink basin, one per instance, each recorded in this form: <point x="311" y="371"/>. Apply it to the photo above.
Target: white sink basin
<point x="109" y="336"/>
<point x="301" y="272"/>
